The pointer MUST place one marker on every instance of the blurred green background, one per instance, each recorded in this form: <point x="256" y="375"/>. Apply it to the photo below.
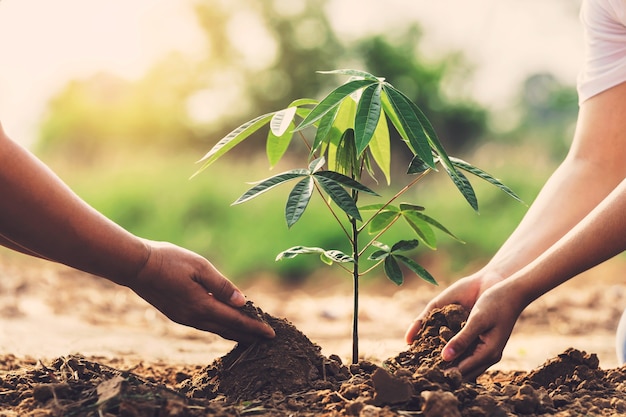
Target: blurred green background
<point x="129" y="147"/>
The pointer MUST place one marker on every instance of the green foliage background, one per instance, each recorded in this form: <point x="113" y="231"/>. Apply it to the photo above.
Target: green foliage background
<point x="129" y="147"/>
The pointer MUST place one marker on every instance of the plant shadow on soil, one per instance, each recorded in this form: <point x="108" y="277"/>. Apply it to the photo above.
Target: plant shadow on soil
<point x="288" y="376"/>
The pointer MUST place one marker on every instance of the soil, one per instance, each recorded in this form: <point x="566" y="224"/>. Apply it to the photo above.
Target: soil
<point x="290" y="375"/>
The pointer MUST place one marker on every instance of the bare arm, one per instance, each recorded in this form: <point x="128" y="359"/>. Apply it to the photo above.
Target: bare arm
<point x="598" y="237"/>
<point x="580" y="203"/>
<point x="41" y="216"/>
<point x="40" y="213"/>
<point x="593" y="168"/>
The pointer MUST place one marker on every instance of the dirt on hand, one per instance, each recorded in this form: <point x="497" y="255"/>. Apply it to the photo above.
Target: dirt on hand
<point x="288" y="376"/>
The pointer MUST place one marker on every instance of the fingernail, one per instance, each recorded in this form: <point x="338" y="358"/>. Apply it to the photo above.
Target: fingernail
<point x="271" y="333"/>
<point x="448" y="353"/>
<point x="237" y="299"/>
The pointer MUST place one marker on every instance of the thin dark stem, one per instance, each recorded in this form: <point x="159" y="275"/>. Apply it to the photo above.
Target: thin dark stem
<point x="355" y="276"/>
<point x="355" y="279"/>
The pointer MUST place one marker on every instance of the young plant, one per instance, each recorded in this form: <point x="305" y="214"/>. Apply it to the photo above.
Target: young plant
<point x="347" y="132"/>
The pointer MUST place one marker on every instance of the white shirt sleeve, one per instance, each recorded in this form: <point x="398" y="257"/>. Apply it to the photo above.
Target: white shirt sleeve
<point x="604" y="23"/>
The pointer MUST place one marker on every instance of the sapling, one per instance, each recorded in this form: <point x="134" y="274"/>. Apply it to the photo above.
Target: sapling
<point x="347" y="135"/>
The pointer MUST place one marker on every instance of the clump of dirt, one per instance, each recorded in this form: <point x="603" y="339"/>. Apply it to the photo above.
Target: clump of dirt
<point x="289" y="377"/>
<point x="288" y="363"/>
<point x="425" y="352"/>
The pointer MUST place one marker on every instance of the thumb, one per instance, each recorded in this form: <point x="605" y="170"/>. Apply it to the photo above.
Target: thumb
<point x="412" y="331"/>
<point x="460" y="343"/>
<point x="221" y="288"/>
<point x="229" y="293"/>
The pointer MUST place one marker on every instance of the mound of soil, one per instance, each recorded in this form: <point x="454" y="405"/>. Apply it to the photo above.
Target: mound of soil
<point x="288" y="363"/>
<point x="288" y="376"/>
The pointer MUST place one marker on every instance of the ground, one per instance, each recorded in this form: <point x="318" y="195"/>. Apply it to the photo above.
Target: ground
<point x="56" y="320"/>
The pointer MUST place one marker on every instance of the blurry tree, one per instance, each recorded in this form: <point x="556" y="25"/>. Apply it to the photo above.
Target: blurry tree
<point x="258" y="56"/>
<point x="105" y="110"/>
<point x="435" y="86"/>
<point x="548" y="110"/>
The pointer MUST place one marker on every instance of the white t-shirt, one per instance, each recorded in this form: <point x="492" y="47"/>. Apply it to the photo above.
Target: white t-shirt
<point x="604" y="23"/>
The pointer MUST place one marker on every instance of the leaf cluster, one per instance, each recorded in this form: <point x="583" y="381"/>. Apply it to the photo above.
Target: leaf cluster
<point x="351" y="135"/>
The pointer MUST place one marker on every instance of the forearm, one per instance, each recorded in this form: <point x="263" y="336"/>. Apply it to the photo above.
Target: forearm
<point x="560" y="205"/>
<point x="597" y="238"/>
<point x="591" y="171"/>
<point x="14" y="246"/>
<point x="40" y="214"/>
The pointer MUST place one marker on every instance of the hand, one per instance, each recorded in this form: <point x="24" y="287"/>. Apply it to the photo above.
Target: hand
<point x="488" y="328"/>
<point x="464" y="292"/>
<point x="493" y="313"/>
<point x="189" y="290"/>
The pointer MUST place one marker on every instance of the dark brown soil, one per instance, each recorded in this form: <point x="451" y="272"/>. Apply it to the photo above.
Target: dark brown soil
<point x="289" y="377"/>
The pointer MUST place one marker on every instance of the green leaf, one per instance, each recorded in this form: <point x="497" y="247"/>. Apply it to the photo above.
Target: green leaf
<point x="410" y="207"/>
<point x="353" y="73"/>
<point x="316" y="164"/>
<point x="343" y="121"/>
<point x="393" y="271"/>
<point x="344" y="180"/>
<point x="327" y="256"/>
<point x="404" y="245"/>
<point x="323" y="129"/>
<point x="303" y="102"/>
<point x="339" y="195"/>
<point x="423" y="230"/>
<point x="432" y="222"/>
<point x="276" y="146"/>
<point x="367" y="116"/>
<point x="378" y="255"/>
<point x="346" y="160"/>
<point x="457" y="177"/>
<point x="380" y="147"/>
<point x="417" y="268"/>
<point x="270" y="183"/>
<point x="298" y="200"/>
<point x="298" y="250"/>
<point x="233" y="138"/>
<point x="417" y="166"/>
<point x="463" y="185"/>
<point x="404" y="114"/>
<point x="282" y="120"/>
<point x="367" y="165"/>
<point x="381" y="246"/>
<point x="459" y="163"/>
<point x="333" y="99"/>
<point x="430" y="133"/>
<point x="334" y="255"/>
<point x="379" y="206"/>
<point x="381" y="221"/>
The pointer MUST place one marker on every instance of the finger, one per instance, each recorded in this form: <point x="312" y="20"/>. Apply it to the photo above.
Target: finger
<point x="418" y="322"/>
<point x="221" y="288"/>
<point x="232" y="324"/>
<point x="480" y="360"/>
<point x="412" y="331"/>
<point x="461" y="342"/>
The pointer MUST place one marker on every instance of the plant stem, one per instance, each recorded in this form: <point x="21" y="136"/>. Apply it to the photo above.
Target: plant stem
<point x="355" y="279"/>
